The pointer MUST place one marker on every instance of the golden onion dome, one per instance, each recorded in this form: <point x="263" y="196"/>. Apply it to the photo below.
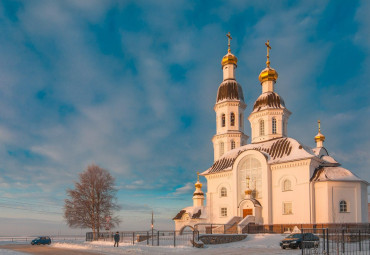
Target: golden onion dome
<point x="198" y="185"/>
<point x="229" y="58"/>
<point x="319" y="136"/>
<point x="268" y="74"/>
<point x="248" y="191"/>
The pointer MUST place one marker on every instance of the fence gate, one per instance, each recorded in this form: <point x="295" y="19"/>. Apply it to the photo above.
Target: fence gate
<point x="335" y="241"/>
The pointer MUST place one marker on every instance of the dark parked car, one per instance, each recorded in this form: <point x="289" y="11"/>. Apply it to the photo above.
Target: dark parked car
<point x="294" y="241"/>
<point x="41" y="240"/>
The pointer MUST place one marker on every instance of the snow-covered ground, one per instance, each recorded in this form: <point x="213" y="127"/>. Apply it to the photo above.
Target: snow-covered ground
<point x="253" y="244"/>
<point x="10" y="252"/>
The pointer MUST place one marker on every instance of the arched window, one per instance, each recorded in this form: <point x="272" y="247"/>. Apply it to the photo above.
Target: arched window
<point x="262" y="127"/>
<point x="240" y="120"/>
<point x="273" y="125"/>
<point x="232" y="144"/>
<point x="250" y="167"/>
<point x="287" y="185"/>
<point x="223" y="192"/>
<point x="223" y="120"/>
<point x="222" y="149"/>
<point x="232" y="119"/>
<point x="343" y="206"/>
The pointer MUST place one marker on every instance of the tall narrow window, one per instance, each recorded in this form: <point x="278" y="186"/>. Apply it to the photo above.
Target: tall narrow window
<point x="262" y="127"/>
<point x="287" y="185"/>
<point x="273" y="125"/>
<point x="223" y="192"/>
<point x="223" y="120"/>
<point x="288" y="209"/>
<point x="343" y="206"/>
<point x="232" y="119"/>
<point x="240" y="120"/>
<point x="223" y="212"/>
<point x="285" y="131"/>
<point x="232" y="144"/>
<point x="221" y="149"/>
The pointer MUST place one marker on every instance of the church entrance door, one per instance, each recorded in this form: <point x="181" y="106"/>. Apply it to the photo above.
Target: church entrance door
<point x="247" y="212"/>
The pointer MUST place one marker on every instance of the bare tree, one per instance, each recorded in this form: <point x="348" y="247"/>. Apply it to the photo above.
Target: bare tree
<point x="92" y="200"/>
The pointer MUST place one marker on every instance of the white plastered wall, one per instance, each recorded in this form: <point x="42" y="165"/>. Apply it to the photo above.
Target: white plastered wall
<point x="298" y="172"/>
<point x="328" y="195"/>
<point x="214" y="184"/>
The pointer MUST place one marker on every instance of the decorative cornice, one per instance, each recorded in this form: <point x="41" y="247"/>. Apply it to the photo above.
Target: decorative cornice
<point x="291" y="164"/>
<point x="219" y="136"/>
<point x="269" y="112"/>
<point x="230" y="103"/>
<point x="219" y="175"/>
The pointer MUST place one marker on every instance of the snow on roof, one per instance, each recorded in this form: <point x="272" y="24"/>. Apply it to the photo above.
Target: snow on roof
<point x="276" y="151"/>
<point x="336" y="173"/>
<point x="329" y="159"/>
<point x="195" y="212"/>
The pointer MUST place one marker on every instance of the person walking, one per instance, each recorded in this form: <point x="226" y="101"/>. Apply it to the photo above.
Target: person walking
<point x="116" y="239"/>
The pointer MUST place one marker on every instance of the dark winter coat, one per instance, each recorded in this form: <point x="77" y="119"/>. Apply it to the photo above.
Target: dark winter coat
<point x="116" y="237"/>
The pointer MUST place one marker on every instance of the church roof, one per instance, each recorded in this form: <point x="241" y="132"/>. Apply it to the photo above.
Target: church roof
<point x="276" y="151"/>
<point x="268" y="100"/>
<point x="335" y="173"/>
<point x="229" y="90"/>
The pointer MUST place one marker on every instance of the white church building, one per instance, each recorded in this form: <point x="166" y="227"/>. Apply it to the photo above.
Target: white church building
<point x="274" y="179"/>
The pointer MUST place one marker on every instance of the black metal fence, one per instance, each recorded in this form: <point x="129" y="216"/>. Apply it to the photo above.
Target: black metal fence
<point x="152" y="238"/>
<point x="337" y="241"/>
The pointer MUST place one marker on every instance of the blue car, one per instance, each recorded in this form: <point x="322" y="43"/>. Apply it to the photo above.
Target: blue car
<point x="41" y="240"/>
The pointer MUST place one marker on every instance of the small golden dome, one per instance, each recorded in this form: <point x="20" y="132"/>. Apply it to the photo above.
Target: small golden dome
<point x="268" y="74"/>
<point x="248" y="191"/>
<point x="229" y="58"/>
<point x="198" y="184"/>
<point x="319" y="136"/>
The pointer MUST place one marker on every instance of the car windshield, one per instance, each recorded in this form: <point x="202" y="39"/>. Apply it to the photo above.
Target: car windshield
<point x="294" y="236"/>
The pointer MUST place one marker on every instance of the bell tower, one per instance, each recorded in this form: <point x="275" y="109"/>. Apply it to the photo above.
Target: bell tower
<point x="269" y="118"/>
<point x="229" y="109"/>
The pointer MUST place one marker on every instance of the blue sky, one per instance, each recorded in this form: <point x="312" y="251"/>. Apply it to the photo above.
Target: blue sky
<point x="131" y="85"/>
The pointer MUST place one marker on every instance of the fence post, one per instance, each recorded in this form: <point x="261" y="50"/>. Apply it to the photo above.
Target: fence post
<point x="323" y="236"/>
<point x="133" y="238"/>
<point x="211" y="230"/>
<point x="174" y="238"/>
<point x="343" y="241"/>
<point x="158" y="238"/>
<point x="147" y="239"/>
<point x="193" y="238"/>
<point x="327" y="241"/>
<point x="302" y="243"/>
<point x="359" y="240"/>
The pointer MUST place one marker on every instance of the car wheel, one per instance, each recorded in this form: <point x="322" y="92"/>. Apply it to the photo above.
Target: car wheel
<point x="283" y="247"/>
<point x="300" y="246"/>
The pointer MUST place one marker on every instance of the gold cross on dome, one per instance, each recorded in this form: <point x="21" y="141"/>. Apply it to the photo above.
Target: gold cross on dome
<point x="318" y="122"/>
<point x="198" y="176"/>
<point x="268" y="53"/>
<point x="230" y="38"/>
